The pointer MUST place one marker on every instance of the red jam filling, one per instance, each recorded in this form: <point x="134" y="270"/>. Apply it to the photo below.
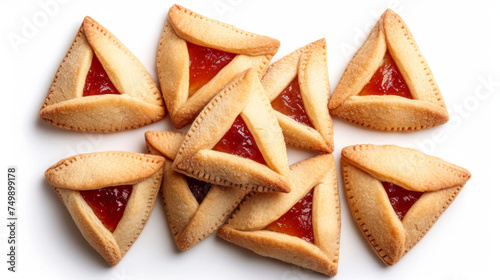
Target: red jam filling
<point x="290" y="103"/>
<point x="239" y="141"/>
<point x="108" y="203"/>
<point x="387" y="80"/>
<point x="204" y="64"/>
<point x="97" y="81"/>
<point x="401" y="199"/>
<point x="298" y="220"/>
<point x="198" y="188"/>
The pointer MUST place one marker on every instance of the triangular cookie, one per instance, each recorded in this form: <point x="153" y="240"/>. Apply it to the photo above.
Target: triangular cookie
<point x="236" y="140"/>
<point x="101" y="86"/>
<point x="389" y="62"/>
<point x="268" y="224"/>
<point x="298" y="87"/>
<point x="110" y="196"/>
<point x="188" y="79"/>
<point x="397" y="194"/>
<point x="193" y="212"/>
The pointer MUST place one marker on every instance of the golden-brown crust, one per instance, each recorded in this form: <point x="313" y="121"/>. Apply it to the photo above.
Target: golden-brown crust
<point x="315" y="89"/>
<point x="390" y="237"/>
<point x="407" y="56"/>
<point x="429" y="208"/>
<point x="283" y="247"/>
<point x="183" y="25"/>
<point x="69" y="79"/>
<point x="268" y="207"/>
<point x="405" y="167"/>
<point x="219" y="203"/>
<point x="92" y="229"/>
<point x="376" y="218"/>
<point x="326" y="214"/>
<point x="98" y="170"/>
<point x="189" y="221"/>
<point x="139" y="102"/>
<point x="389" y="113"/>
<point x="141" y="200"/>
<point x="164" y="143"/>
<point x="310" y="66"/>
<point x="362" y="66"/>
<point x="300" y="135"/>
<point x="145" y="185"/>
<point x="247" y="226"/>
<point x="106" y="113"/>
<point x="243" y="96"/>
<point x="131" y="77"/>
<point x="200" y="30"/>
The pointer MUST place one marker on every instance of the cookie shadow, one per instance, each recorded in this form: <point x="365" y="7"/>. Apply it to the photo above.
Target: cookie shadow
<point x="62" y="220"/>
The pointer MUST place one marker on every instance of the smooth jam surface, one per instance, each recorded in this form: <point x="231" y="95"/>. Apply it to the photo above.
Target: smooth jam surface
<point x="298" y="220"/>
<point x="239" y="141"/>
<point x="97" y="81"/>
<point x="401" y="199"/>
<point x="387" y="80"/>
<point x="204" y="64"/>
<point x="198" y="188"/>
<point x="290" y="103"/>
<point x="108" y="203"/>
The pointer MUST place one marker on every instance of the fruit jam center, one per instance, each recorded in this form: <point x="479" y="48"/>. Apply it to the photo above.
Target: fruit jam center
<point x="108" y="203"/>
<point x="198" y="188"/>
<point x="204" y="64"/>
<point x="298" y="220"/>
<point x="97" y="81"/>
<point x="239" y="141"/>
<point x="290" y="103"/>
<point x="401" y="199"/>
<point x="387" y="80"/>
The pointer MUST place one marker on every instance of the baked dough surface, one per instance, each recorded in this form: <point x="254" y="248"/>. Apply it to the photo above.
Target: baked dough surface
<point x="247" y="226"/>
<point x="97" y="170"/>
<point x="182" y="26"/>
<point x="365" y="167"/>
<point x="387" y="112"/>
<point x="139" y="103"/>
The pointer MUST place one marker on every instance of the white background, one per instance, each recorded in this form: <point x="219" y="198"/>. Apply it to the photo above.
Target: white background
<point x="458" y="39"/>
